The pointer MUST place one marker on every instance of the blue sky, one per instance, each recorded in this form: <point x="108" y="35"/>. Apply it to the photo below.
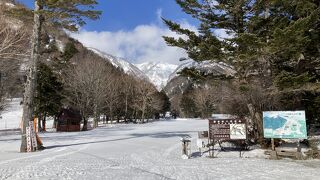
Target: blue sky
<point x="132" y="29"/>
<point x="127" y="14"/>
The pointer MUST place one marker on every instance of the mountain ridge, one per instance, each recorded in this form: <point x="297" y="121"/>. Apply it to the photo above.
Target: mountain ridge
<point x="157" y="72"/>
<point x="121" y="63"/>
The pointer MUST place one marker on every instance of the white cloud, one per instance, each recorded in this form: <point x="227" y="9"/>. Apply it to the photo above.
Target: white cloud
<point x="142" y="44"/>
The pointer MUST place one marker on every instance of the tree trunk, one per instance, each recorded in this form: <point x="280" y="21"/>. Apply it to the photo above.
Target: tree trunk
<point x="135" y="116"/>
<point x="44" y="122"/>
<point x="118" y="119"/>
<point x="28" y="101"/>
<point x="54" y="122"/>
<point x="95" y="114"/>
<point x="257" y="122"/>
<point x="126" y="108"/>
<point x="111" y="114"/>
<point x="85" y="124"/>
<point x="104" y="119"/>
<point x="143" y="110"/>
<point x="39" y="122"/>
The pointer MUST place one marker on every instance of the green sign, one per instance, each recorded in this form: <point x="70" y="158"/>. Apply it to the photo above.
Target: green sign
<point x="285" y="124"/>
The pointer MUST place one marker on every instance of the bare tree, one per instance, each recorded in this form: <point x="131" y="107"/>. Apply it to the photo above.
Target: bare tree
<point x="145" y="94"/>
<point x="85" y="83"/>
<point x="205" y="100"/>
<point x="113" y="95"/>
<point x="128" y="91"/>
<point x="101" y="78"/>
<point x="14" y="41"/>
<point x="250" y="101"/>
<point x="157" y="103"/>
<point x="13" y="48"/>
<point x="175" y="104"/>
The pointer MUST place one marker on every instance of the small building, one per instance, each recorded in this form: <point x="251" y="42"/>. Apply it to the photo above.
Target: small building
<point x="69" y="120"/>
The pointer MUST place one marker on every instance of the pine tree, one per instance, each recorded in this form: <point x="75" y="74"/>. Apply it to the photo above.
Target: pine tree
<point x="49" y="94"/>
<point x="60" y="13"/>
<point x="295" y="50"/>
<point x="239" y="49"/>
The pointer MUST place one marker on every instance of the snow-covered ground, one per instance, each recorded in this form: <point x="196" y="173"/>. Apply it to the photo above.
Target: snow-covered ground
<point x="139" y="151"/>
<point x="12" y="115"/>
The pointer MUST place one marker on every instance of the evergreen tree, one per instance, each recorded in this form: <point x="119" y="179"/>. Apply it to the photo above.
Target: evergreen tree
<point x="49" y="94"/>
<point x="60" y="13"/>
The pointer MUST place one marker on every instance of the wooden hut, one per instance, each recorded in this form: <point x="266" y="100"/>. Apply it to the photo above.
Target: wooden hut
<point x="68" y="120"/>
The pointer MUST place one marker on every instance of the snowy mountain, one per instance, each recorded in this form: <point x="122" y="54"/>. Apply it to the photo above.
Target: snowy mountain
<point x="158" y="73"/>
<point x="122" y="64"/>
<point x="178" y="84"/>
<point x="208" y="67"/>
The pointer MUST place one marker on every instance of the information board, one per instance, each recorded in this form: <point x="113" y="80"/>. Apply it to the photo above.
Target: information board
<point x="227" y="129"/>
<point x="284" y="124"/>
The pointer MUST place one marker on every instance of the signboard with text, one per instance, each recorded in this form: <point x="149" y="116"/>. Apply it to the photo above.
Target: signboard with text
<point x="227" y="129"/>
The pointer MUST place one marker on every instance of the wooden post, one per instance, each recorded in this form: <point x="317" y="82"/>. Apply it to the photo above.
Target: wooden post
<point x="298" y="146"/>
<point x="273" y="154"/>
<point x="299" y="154"/>
<point x="272" y="145"/>
<point x="211" y="148"/>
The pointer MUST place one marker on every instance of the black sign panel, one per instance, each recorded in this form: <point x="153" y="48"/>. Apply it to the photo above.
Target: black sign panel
<point x="225" y="129"/>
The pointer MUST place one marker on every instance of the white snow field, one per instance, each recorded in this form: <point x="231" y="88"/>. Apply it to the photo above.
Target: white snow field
<point x="139" y="151"/>
<point x="10" y="118"/>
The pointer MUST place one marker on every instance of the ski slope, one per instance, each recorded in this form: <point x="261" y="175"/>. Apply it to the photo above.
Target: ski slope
<point x="139" y="151"/>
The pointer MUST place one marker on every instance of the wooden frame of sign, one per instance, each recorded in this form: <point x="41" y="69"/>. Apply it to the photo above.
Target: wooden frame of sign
<point x="221" y="130"/>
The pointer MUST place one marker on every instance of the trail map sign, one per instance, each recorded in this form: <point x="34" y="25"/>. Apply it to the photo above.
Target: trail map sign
<point x="285" y="124"/>
<point x="227" y="129"/>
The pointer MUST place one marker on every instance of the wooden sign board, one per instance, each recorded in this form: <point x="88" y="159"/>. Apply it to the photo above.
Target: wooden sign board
<point x="227" y="129"/>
